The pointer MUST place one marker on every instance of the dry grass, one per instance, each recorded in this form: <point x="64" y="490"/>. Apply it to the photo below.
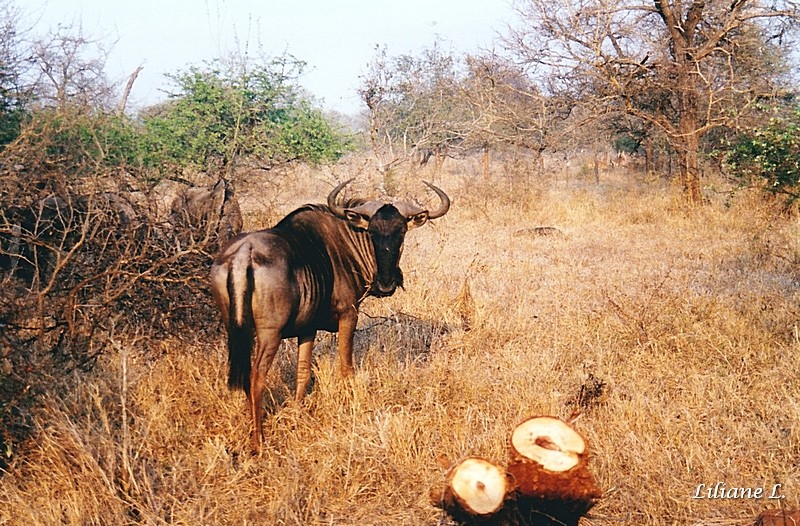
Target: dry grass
<point x="676" y="333"/>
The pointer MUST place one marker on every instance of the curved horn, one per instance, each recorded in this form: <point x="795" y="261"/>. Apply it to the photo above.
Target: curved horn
<point x="337" y="210"/>
<point x="407" y="209"/>
<point x="442" y="210"/>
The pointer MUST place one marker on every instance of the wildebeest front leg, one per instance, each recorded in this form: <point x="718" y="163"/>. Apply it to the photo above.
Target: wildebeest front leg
<point x="347" y="329"/>
<point x="267" y="345"/>
<point x="305" y="344"/>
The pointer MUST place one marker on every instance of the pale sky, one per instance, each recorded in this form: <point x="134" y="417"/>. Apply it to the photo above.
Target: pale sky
<point x="336" y="38"/>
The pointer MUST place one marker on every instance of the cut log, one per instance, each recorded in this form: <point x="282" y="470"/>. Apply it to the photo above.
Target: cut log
<point x="778" y="518"/>
<point x="549" y="471"/>
<point x="548" y="441"/>
<point x="475" y="491"/>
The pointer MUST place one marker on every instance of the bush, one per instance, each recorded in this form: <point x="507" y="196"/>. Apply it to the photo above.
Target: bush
<point x="772" y="155"/>
<point x="80" y="143"/>
<point x="82" y="257"/>
<point x="217" y="117"/>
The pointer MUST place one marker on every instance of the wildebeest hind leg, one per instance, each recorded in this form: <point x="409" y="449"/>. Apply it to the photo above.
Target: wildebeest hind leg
<point x="267" y="345"/>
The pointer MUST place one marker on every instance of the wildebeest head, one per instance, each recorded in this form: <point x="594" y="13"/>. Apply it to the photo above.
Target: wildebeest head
<point x="213" y="208"/>
<point x="387" y="224"/>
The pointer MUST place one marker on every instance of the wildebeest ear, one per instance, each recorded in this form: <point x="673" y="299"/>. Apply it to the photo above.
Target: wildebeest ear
<point x="418" y="219"/>
<point x="356" y="219"/>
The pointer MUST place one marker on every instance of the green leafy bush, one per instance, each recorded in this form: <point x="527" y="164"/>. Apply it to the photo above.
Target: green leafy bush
<point x="77" y="143"/>
<point x="219" y="116"/>
<point x="772" y="155"/>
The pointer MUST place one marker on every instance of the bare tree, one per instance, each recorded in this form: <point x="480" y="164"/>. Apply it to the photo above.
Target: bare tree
<point x="686" y="68"/>
<point x="69" y="69"/>
<point x="13" y="92"/>
<point x="507" y="108"/>
<point x="413" y="107"/>
<point x="435" y="105"/>
<point x="11" y="59"/>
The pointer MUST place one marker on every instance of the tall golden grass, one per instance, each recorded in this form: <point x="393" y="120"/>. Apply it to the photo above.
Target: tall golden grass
<point x="674" y="332"/>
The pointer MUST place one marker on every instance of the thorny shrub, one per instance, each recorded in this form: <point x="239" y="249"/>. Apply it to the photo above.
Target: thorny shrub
<point x="85" y="255"/>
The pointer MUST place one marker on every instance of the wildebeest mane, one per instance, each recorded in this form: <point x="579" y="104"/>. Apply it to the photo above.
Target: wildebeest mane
<point x="347" y="203"/>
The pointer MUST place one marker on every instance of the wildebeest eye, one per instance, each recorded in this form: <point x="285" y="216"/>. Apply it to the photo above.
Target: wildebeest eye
<point x="419" y="219"/>
<point x="356" y="219"/>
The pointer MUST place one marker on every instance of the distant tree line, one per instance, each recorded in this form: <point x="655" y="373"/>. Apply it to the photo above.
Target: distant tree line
<point x="686" y="81"/>
<point x="691" y="80"/>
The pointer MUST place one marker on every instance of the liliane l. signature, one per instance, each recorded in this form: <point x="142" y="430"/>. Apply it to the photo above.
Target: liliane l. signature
<point x="721" y="491"/>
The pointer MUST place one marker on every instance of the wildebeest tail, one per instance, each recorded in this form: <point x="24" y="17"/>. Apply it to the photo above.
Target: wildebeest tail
<point x="242" y="328"/>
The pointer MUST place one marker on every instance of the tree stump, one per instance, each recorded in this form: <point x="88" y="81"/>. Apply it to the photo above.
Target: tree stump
<point x="547" y="482"/>
<point x="475" y="492"/>
<point x="778" y="518"/>
<point x="549" y="472"/>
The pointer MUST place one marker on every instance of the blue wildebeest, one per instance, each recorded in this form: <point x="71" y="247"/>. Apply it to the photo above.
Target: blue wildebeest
<point x="207" y="210"/>
<point x="308" y="273"/>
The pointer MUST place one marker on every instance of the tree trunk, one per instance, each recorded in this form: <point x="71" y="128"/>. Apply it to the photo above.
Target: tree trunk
<point x="485" y="162"/>
<point x="596" y="169"/>
<point x="688" y="168"/>
<point x="123" y="102"/>
<point x="688" y="139"/>
<point x="540" y="162"/>
<point x="685" y="139"/>
<point x="687" y="149"/>
<point x="690" y="171"/>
